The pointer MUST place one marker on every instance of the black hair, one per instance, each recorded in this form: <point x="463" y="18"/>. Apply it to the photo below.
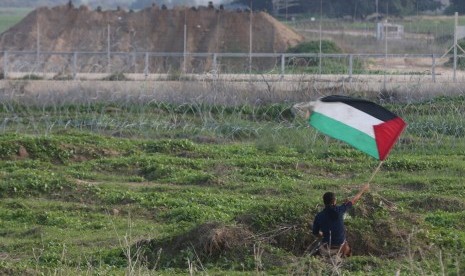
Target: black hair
<point x="329" y="198"/>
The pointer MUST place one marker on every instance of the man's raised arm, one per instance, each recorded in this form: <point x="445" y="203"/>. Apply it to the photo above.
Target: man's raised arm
<point x="360" y="193"/>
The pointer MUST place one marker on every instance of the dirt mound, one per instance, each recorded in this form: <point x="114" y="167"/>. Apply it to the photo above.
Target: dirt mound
<point x="381" y="234"/>
<point x="204" y="30"/>
<point x="130" y="35"/>
<point x="435" y="203"/>
<point x="209" y="240"/>
<point x="206" y="243"/>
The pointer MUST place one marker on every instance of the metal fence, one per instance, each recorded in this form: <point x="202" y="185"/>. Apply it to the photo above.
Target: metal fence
<point x="143" y="65"/>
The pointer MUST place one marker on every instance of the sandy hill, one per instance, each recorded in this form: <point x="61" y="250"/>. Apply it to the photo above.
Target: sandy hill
<point x="65" y="28"/>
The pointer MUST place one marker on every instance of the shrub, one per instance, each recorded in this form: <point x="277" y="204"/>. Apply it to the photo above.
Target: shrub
<point x="327" y="47"/>
<point x="168" y="146"/>
<point x="42" y="148"/>
<point x="33" y="182"/>
<point x="329" y="65"/>
<point x="31" y="77"/>
<point x="119" y="76"/>
<point x="312" y="47"/>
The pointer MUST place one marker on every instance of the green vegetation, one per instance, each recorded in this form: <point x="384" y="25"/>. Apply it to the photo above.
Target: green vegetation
<point x="327" y="47"/>
<point x="10" y="16"/>
<point x="312" y="64"/>
<point x="119" y="76"/>
<point x="113" y="188"/>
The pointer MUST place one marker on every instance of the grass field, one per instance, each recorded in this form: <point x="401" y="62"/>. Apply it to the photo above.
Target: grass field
<point x="142" y="187"/>
<point x="158" y="188"/>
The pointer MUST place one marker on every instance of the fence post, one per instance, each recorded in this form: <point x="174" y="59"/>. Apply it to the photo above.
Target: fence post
<point x="5" y="64"/>
<point x="215" y="64"/>
<point x="433" y="68"/>
<point x="146" y="66"/>
<point x="351" y="63"/>
<point x="184" y="50"/>
<point x="283" y="62"/>
<point x="108" y="50"/>
<point x="38" y="51"/>
<point x="455" y="46"/>
<point x="74" y="65"/>
<point x="134" y="63"/>
<point x="108" y="63"/>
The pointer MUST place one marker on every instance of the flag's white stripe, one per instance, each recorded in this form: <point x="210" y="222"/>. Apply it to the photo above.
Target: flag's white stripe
<point x="348" y="115"/>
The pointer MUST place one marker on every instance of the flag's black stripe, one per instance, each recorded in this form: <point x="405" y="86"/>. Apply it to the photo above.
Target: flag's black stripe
<point x="368" y="107"/>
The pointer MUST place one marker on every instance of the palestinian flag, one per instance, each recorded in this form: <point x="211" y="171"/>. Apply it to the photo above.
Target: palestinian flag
<point x="363" y="124"/>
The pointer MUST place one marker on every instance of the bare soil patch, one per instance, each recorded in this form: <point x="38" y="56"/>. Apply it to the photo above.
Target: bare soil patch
<point x="203" y="30"/>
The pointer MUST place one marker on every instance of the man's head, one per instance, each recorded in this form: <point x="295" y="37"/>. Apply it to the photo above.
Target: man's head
<point x="329" y="198"/>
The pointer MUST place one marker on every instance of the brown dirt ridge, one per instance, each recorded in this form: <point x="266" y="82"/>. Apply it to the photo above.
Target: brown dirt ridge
<point x="67" y="29"/>
<point x="216" y="241"/>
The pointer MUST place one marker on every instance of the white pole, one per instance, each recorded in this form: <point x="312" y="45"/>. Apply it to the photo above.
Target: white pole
<point x="5" y="65"/>
<point x="283" y="61"/>
<point x="134" y="61"/>
<point x="250" y="38"/>
<point x="74" y="65"/>
<point x="385" y="30"/>
<point x="146" y="66"/>
<point x="455" y="46"/>
<point x="321" y="15"/>
<point x="38" y="49"/>
<point x="38" y="41"/>
<point x="184" y="49"/>
<point x="433" y="68"/>
<point x="215" y="65"/>
<point x="108" y="48"/>
<point x="185" y="43"/>
<point x="351" y="65"/>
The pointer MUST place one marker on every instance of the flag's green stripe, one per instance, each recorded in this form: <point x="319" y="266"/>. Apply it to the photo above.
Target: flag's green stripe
<point x="351" y="136"/>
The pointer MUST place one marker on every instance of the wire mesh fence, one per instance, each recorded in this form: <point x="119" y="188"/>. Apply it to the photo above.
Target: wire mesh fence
<point x="91" y="65"/>
<point x="420" y="35"/>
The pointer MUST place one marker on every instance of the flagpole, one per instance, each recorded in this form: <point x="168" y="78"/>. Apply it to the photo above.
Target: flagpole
<point x="375" y="171"/>
<point x="388" y="203"/>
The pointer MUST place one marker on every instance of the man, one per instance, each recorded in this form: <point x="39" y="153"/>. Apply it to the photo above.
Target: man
<point x="329" y="224"/>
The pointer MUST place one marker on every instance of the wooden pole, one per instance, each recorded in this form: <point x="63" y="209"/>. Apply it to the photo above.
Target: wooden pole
<point x="375" y="171"/>
<point x="388" y="203"/>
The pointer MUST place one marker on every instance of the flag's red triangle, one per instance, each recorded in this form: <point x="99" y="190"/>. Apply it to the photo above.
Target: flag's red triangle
<point x="386" y="135"/>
